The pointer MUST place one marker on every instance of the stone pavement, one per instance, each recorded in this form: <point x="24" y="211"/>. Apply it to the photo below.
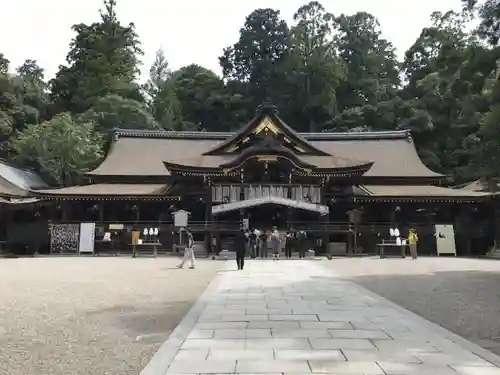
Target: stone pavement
<point x="296" y="317"/>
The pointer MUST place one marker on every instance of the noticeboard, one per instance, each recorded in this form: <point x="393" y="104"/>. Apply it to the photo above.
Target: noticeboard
<point x="181" y="218"/>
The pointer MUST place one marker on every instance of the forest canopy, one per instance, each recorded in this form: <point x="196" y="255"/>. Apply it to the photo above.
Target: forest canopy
<point x="326" y="72"/>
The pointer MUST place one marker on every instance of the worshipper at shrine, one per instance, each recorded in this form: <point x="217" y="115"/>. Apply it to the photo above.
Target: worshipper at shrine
<point x="263" y="239"/>
<point x="240" y="245"/>
<point x="301" y="240"/>
<point x="275" y="242"/>
<point x="412" y="243"/>
<point x="252" y="243"/>
<point x="289" y="244"/>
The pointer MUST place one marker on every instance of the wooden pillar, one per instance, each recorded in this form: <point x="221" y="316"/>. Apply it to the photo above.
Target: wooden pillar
<point x="208" y="218"/>
<point x="137" y="213"/>
<point x="325" y="219"/>
<point x="101" y="213"/>
<point x="495" y="223"/>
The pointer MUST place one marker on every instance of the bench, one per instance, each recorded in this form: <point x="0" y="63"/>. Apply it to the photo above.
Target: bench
<point x="391" y="245"/>
<point x="154" y="245"/>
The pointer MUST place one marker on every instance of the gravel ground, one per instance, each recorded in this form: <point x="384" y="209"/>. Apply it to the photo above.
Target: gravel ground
<point x="461" y="295"/>
<point x="91" y="315"/>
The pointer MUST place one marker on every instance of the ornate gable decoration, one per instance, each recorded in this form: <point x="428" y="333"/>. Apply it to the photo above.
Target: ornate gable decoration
<point x="267" y="135"/>
<point x="266" y="128"/>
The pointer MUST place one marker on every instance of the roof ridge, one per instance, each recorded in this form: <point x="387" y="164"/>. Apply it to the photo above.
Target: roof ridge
<point x="139" y="133"/>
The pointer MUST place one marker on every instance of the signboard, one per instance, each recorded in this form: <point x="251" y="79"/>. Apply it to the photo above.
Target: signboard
<point x="87" y="236"/>
<point x="445" y="239"/>
<point x="181" y="218"/>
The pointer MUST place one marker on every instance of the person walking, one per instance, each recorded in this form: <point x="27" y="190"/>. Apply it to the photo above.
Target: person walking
<point x="412" y="242"/>
<point x="275" y="243"/>
<point x="301" y="237"/>
<point x="240" y="244"/>
<point x="188" y="250"/>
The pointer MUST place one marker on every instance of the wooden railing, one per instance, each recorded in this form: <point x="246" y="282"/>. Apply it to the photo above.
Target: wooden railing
<point x="233" y="226"/>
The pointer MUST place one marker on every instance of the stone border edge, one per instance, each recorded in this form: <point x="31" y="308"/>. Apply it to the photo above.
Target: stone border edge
<point x="161" y="360"/>
<point x="457" y="339"/>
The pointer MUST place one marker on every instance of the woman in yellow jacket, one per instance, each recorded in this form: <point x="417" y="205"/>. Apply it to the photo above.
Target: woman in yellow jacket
<point x="412" y="242"/>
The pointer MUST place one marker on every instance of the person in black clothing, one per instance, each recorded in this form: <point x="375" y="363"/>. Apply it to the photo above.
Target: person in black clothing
<point x="240" y="244"/>
<point x="289" y="244"/>
<point x="252" y="239"/>
<point x="301" y="237"/>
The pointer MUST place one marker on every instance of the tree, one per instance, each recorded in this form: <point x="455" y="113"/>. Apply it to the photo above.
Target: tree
<point x="35" y="96"/>
<point x="445" y="80"/>
<point x="159" y="73"/>
<point x="4" y="65"/>
<point x="314" y="71"/>
<point x="61" y="149"/>
<point x="487" y="146"/>
<point x="160" y="93"/>
<point x="202" y="99"/>
<point x="258" y="56"/>
<point x="372" y="67"/>
<point x="102" y="60"/>
<point x="12" y="110"/>
<point x="113" y="111"/>
<point x="489" y="27"/>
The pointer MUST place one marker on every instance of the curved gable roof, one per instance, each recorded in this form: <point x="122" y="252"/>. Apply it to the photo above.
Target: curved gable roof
<point x="142" y="153"/>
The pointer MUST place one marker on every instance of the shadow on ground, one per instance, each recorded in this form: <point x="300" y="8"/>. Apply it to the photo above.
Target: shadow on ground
<point x="464" y="302"/>
<point x="143" y="320"/>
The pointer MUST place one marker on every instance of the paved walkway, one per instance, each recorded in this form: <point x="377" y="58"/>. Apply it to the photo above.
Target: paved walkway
<point x="295" y="317"/>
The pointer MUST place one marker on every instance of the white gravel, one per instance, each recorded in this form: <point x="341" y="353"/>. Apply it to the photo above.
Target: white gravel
<point x="462" y="295"/>
<point x="91" y="315"/>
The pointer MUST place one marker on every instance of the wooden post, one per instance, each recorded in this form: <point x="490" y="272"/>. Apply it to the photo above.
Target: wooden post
<point x="325" y="219"/>
<point x="208" y="218"/>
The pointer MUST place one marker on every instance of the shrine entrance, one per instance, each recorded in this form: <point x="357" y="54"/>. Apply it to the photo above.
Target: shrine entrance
<point x="265" y="212"/>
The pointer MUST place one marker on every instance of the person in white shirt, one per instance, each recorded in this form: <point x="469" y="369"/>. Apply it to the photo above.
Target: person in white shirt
<point x="189" y="250"/>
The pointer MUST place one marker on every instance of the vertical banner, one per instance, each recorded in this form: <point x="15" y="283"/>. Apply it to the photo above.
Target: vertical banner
<point x="445" y="239"/>
<point x="87" y="235"/>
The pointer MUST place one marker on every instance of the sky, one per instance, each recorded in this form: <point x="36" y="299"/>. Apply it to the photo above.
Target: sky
<point x="189" y="31"/>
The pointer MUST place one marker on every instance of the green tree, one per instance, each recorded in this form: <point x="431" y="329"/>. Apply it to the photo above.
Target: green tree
<point x="14" y="114"/>
<point x="61" y="149"/>
<point x="314" y="72"/>
<point x="372" y="67"/>
<point x="160" y="93"/>
<point x="35" y="91"/>
<point x="258" y="56"/>
<point x="446" y="72"/>
<point x="204" y="101"/>
<point x="113" y="111"/>
<point x="103" y="60"/>
<point x="487" y="150"/>
<point x="4" y="65"/>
